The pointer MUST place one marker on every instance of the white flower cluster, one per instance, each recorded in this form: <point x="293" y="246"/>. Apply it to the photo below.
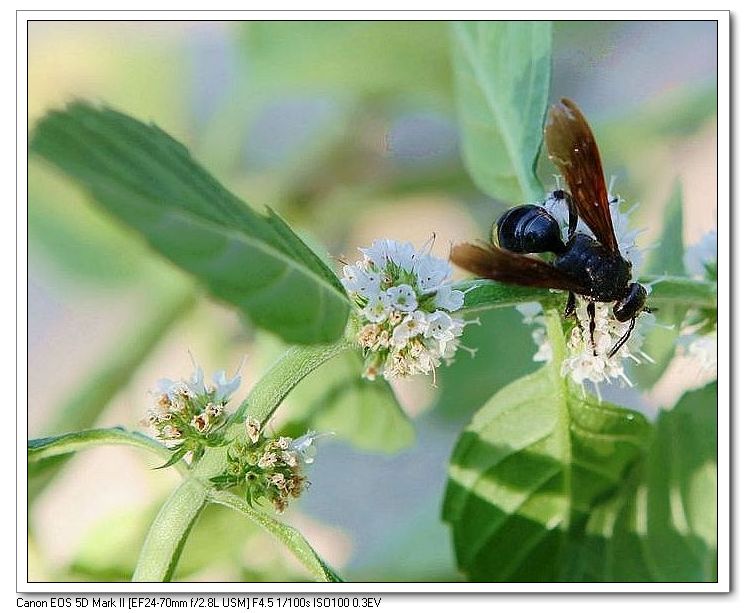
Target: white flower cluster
<point x="273" y="468"/>
<point x="588" y="360"/>
<point x="404" y="301"/>
<point x="190" y="407"/>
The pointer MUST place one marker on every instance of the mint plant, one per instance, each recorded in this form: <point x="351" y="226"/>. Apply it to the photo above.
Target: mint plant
<point x="547" y="482"/>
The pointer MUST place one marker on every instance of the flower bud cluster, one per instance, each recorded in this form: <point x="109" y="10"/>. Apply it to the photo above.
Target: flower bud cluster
<point x="271" y="468"/>
<point x="405" y="301"/>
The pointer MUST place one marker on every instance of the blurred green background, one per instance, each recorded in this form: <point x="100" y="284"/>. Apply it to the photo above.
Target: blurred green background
<point x="347" y="129"/>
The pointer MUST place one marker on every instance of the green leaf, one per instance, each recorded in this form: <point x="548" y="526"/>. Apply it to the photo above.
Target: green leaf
<point x="502" y="71"/>
<point x="149" y="181"/>
<point x="663" y="525"/>
<point x="290" y="537"/>
<point x="667" y="258"/>
<point x="526" y="472"/>
<point x="668" y="291"/>
<point x="41" y="449"/>
<point x="365" y="413"/>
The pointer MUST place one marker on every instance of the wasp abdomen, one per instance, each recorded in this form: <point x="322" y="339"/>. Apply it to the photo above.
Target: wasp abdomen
<point x="528" y="229"/>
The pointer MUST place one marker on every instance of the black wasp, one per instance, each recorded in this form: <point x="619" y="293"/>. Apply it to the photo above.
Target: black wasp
<point x="589" y="266"/>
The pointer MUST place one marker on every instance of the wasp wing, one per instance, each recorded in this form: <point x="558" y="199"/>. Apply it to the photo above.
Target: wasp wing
<point x="489" y="262"/>
<point x="573" y="149"/>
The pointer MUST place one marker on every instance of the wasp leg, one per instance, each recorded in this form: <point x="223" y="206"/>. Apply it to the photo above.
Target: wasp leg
<point x="570" y="306"/>
<point x="592" y="324"/>
<point x="572" y="216"/>
<point x="624" y="338"/>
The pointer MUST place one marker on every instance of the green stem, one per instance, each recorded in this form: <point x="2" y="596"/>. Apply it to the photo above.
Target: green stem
<point x="169" y="531"/>
<point x="292" y="367"/>
<point x="287" y="535"/>
<point x="43" y="449"/>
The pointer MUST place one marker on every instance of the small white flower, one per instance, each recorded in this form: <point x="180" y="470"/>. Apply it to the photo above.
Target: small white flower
<point x="402" y="297"/>
<point x="442" y="327"/>
<point x="253" y="429"/>
<point x="357" y="280"/>
<point x="224" y="387"/>
<point x="402" y="254"/>
<point x="378" y="308"/>
<point x="174" y="389"/>
<point x="196" y="382"/>
<point x="268" y="460"/>
<point x="432" y="273"/>
<point x="304" y="446"/>
<point x="171" y="432"/>
<point x="290" y="458"/>
<point x="278" y="480"/>
<point x="386" y="250"/>
<point x="413" y="324"/>
<point x="449" y="299"/>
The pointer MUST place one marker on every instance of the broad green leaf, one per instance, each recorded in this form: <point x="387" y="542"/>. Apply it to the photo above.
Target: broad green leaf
<point x="41" y="449"/>
<point x="338" y="399"/>
<point x="290" y="537"/>
<point x="667" y="258"/>
<point x="662" y="526"/>
<point x="527" y="471"/>
<point x="149" y="181"/>
<point x="502" y="71"/>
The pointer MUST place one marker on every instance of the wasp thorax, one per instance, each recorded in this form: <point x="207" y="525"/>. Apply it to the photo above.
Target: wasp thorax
<point x="527" y="229"/>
